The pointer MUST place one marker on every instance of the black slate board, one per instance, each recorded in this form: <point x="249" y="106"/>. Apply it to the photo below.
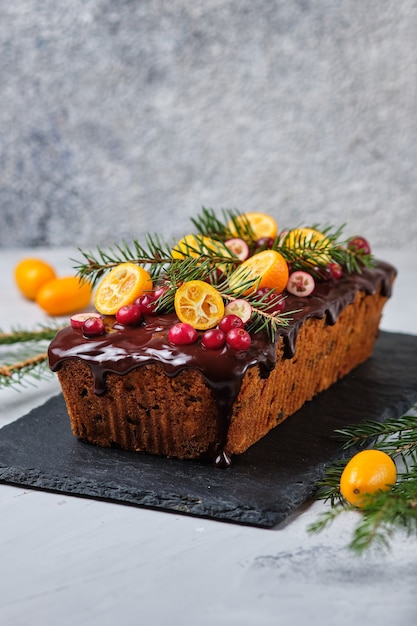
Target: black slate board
<point x="265" y="485"/>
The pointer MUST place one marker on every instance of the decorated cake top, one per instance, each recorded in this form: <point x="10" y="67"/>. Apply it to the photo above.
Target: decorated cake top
<point x="240" y="266"/>
<point x="231" y="279"/>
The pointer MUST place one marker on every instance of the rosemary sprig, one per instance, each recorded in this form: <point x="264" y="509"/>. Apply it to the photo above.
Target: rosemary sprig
<point x="385" y="511"/>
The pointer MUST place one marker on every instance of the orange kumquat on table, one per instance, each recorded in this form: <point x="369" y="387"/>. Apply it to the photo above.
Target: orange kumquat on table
<point x="367" y="472"/>
<point x="31" y="274"/>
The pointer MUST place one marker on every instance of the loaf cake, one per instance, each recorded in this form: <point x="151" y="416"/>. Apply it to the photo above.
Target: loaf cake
<point x="130" y="385"/>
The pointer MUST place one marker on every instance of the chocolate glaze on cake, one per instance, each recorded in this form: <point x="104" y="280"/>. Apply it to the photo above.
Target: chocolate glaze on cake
<point x="124" y="348"/>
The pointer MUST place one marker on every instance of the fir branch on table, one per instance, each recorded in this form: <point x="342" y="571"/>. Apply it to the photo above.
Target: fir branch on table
<point x="29" y="359"/>
<point x="383" y="512"/>
<point x="397" y="437"/>
<point x="16" y="335"/>
<point x="16" y="374"/>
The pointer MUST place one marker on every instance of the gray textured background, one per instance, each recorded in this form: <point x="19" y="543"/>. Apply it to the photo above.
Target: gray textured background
<point x="120" y="117"/>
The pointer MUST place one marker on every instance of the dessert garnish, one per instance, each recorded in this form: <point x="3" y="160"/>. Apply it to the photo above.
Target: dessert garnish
<point x="238" y="264"/>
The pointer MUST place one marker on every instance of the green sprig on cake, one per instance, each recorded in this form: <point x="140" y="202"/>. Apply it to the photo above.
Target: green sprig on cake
<point x="238" y="263"/>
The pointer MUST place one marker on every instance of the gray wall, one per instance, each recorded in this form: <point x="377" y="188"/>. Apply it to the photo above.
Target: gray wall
<point x="119" y="117"/>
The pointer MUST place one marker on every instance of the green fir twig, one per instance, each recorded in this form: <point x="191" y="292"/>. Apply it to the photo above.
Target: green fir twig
<point x="30" y="368"/>
<point x="28" y="361"/>
<point x="156" y="256"/>
<point x="20" y="335"/>
<point x="383" y="512"/>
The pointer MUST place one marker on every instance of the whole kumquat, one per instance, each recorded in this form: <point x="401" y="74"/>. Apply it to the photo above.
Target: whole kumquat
<point x="64" y="295"/>
<point x="31" y="274"/>
<point x="191" y="245"/>
<point x="312" y="239"/>
<point x="367" y="472"/>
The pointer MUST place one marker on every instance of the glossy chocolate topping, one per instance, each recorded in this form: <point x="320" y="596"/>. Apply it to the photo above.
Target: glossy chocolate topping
<point x="124" y="348"/>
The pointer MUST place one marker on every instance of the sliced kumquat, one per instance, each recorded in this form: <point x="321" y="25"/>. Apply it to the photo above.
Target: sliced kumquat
<point x="193" y="245"/>
<point x="199" y="304"/>
<point x="266" y="269"/>
<point x="260" y="224"/>
<point x="311" y="239"/>
<point x="121" y="286"/>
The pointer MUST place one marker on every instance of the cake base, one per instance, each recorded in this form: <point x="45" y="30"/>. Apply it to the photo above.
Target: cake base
<point x="145" y="410"/>
<point x="265" y="486"/>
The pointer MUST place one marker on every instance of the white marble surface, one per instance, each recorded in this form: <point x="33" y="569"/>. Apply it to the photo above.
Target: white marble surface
<point x="68" y="560"/>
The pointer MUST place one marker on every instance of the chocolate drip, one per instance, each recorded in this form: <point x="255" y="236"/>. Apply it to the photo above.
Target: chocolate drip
<point x="124" y="348"/>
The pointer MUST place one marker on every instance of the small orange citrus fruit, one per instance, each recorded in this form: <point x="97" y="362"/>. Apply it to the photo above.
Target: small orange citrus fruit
<point x="121" y="286"/>
<point x="190" y="245"/>
<point x="64" y="295"/>
<point x="261" y="225"/>
<point x="367" y="472"/>
<point x="312" y="239"/>
<point x="30" y="274"/>
<point x="199" y="304"/>
<point x="267" y="269"/>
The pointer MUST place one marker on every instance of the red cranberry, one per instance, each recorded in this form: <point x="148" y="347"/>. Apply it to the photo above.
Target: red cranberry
<point x="130" y="315"/>
<point x="215" y="277"/>
<point x="322" y="272"/>
<point x="93" y="326"/>
<point x="238" y="339"/>
<point x="77" y="320"/>
<point x="213" y="339"/>
<point x="160" y="291"/>
<point x="230" y="321"/>
<point x="264" y="243"/>
<point x="147" y="303"/>
<point x="182" y="334"/>
<point x="359" y="244"/>
<point x="336" y="270"/>
<point x="273" y="300"/>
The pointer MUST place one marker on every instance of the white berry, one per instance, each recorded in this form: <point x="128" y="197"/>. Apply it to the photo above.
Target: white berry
<point x="300" y="284"/>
